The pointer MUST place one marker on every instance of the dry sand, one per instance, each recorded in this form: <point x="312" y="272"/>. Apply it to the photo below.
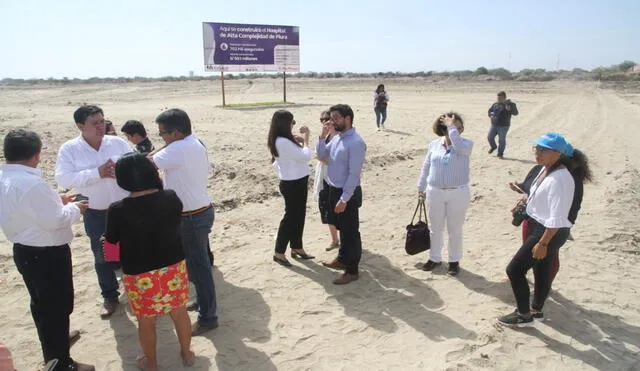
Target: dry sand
<point x="396" y="317"/>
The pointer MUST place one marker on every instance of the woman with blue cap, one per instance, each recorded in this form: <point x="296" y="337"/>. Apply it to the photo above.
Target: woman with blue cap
<point x="553" y="202"/>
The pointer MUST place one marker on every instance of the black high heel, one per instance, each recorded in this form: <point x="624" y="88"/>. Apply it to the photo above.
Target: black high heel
<point x="303" y="255"/>
<point x="283" y="262"/>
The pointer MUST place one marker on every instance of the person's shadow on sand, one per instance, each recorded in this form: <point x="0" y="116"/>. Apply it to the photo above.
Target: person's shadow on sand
<point x="385" y="292"/>
<point x="244" y="316"/>
<point x="610" y="338"/>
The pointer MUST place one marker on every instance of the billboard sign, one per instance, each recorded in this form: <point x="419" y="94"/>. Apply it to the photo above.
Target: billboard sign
<point x="250" y="47"/>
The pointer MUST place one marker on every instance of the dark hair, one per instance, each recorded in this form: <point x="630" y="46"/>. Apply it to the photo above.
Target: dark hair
<point x="380" y="88"/>
<point x="175" y="119"/>
<point x="280" y="127"/>
<point x="343" y="109"/>
<point x="502" y="94"/>
<point x="108" y="125"/>
<point x="132" y="127"/>
<point x="327" y="112"/>
<point x="20" y="145"/>
<point x="81" y="114"/>
<point x="440" y="129"/>
<point x="578" y="166"/>
<point x="135" y="172"/>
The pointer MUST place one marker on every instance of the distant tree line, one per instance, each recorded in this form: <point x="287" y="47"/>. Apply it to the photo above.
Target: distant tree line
<point x="618" y="72"/>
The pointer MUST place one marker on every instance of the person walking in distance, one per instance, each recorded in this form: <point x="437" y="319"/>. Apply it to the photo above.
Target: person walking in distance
<point x="380" y="102"/>
<point x="500" y="114"/>
<point x="38" y="222"/>
<point x="345" y="156"/>
<point x="87" y="164"/>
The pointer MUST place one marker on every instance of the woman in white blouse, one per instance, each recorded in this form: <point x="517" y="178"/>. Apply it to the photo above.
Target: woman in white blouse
<point x="291" y="156"/>
<point x="445" y="179"/>
<point x="548" y="205"/>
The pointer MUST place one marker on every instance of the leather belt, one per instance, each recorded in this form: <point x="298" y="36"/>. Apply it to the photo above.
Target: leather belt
<point x="197" y="211"/>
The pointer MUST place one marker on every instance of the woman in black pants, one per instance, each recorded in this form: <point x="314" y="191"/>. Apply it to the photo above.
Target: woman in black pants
<point x="548" y="206"/>
<point x="290" y="155"/>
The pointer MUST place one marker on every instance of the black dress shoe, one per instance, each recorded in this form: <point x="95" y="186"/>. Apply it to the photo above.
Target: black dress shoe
<point x="198" y="328"/>
<point x="74" y="335"/>
<point x="454" y="269"/>
<point x="429" y="265"/>
<point x="283" y="262"/>
<point x="301" y="255"/>
<point x="108" y="308"/>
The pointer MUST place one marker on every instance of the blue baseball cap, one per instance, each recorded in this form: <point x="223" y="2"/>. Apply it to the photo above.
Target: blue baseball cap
<point x="555" y="142"/>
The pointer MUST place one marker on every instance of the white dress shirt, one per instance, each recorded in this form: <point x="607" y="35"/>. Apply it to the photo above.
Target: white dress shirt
<point x="293" y="161"/>
<point x="77" y="168"/>
<point x="31" y="212"/>
<point x="446" y="167"/>
<point x="550" y="201"/>
<point x="186" y="167"/>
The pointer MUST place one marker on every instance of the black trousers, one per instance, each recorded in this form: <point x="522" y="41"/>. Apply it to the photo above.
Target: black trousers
<point x="295" y="210"/>
<point x="523" y="261"/>
<point x="348" y="224"/>
<point x="48" y="275"/>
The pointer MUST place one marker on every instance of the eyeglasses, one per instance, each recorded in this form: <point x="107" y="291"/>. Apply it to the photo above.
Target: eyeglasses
<point x="163" y="132"/>
<point x="325" y="119"/>
<point x="541" y="149"/>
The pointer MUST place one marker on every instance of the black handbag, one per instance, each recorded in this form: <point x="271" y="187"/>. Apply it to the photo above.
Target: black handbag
<point x="418" y="235"/>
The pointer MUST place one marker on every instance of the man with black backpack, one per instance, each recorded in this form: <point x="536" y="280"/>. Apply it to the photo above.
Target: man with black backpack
<point x="500" y="114"/>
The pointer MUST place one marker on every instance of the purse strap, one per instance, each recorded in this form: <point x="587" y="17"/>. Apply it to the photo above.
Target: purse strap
<point x="423" y="211"/>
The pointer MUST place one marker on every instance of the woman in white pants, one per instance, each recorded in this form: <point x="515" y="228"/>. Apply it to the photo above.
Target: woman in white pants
<point x="444" y="181"/>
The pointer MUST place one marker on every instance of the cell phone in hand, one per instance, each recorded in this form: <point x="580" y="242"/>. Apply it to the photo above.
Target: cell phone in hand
<point x="81" y="198"/>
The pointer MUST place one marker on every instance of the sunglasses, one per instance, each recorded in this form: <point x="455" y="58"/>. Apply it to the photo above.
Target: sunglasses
<point x="163" y="132"/>
<point x="324" y="119"/>
<point x="541" y="149"/>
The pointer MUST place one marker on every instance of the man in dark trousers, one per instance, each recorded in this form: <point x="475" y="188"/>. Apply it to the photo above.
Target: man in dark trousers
<point x="345" y="156"/>
<point x="500" y="114"/>
<point x="38" y="221"/>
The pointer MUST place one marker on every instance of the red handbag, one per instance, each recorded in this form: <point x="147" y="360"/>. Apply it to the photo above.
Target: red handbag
<point x="418" y="235"/>
<point x="111" y="251"/>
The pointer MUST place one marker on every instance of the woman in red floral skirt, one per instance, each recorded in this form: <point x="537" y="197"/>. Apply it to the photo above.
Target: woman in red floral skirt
<point x="147" y="226"/>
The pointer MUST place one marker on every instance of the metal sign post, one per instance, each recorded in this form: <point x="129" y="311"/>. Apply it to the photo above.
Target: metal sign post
<point x="222" y="80"/>
<point x="284" y="80"/>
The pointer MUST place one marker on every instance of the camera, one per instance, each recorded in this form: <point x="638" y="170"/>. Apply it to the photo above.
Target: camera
<point x="519" y="214"/>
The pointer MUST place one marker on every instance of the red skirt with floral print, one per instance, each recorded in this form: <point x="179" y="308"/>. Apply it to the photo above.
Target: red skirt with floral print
<point x="159" y="291"/>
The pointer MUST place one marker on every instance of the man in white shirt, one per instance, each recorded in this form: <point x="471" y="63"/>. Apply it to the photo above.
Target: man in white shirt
<point x="186" y="168"/>
<point x="87" y="164"/>
<point x="38" y="222"/>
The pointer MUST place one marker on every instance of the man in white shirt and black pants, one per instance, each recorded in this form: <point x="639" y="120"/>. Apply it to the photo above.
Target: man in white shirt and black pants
<point x="87" y="164"/>
<point x="186" y="168"/>
<point x="38" y="222"/>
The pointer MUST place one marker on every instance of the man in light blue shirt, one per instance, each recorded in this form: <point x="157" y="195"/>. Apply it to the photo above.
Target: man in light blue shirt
<point x="345" y="155"/>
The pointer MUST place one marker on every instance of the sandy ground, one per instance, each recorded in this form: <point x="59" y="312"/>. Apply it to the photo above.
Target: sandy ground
<point x="396" y="317"/>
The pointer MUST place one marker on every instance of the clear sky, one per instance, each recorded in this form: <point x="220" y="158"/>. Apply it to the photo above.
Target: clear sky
<point x="86" y="38"/>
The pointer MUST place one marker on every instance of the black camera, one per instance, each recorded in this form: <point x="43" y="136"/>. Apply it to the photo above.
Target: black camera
<point x="519" y="214"/>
